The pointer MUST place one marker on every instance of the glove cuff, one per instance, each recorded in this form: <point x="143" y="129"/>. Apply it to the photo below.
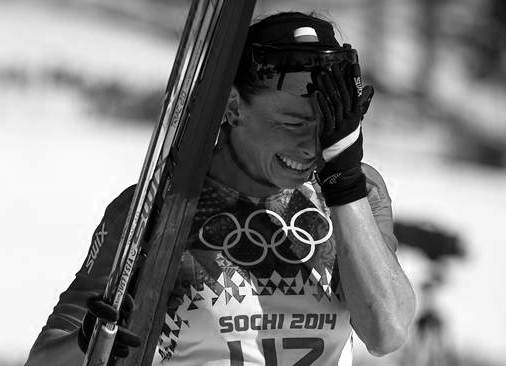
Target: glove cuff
<point x="344" y="187"/>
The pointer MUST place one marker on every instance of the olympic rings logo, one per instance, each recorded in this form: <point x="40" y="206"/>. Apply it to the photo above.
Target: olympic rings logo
<point x="256" y="238"/>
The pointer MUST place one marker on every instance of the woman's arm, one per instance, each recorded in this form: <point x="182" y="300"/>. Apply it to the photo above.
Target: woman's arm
<point x="58" y="348"/>
<point x="377" y="292"/>
<point x="57" y="342"/>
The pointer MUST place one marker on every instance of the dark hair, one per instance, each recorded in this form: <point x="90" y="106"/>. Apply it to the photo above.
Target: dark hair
<point x="275" y="29"/>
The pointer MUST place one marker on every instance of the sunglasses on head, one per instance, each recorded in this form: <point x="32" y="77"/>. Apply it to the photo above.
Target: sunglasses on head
<point x="278" y="61"/>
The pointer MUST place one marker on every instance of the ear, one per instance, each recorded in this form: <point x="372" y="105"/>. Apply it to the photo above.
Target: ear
<point x="232" y="114"/>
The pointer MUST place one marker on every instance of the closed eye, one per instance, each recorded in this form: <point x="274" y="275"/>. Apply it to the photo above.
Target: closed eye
<point x="294" y="124"/>
<point x="292" y="119"/>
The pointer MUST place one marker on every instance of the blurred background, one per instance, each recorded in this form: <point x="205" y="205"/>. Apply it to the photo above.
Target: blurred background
<point x="81" y="83"/>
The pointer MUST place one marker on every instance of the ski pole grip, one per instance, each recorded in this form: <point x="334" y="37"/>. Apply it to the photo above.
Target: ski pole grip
<point x="101" y="344"/>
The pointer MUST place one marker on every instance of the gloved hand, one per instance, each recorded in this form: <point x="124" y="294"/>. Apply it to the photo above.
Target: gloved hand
<point x="98" y="308"/>
<point x="341" y="103"/>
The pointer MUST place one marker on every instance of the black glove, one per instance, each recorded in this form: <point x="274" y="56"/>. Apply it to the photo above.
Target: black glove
<point x="98" y="308"/>
<point x="341" y="103"/>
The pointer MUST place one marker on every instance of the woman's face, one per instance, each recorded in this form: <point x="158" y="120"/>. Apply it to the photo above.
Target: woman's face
<point x="276" y="137"/>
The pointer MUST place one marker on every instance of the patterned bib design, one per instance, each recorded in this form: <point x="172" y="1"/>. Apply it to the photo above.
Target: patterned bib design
<point x="258" y="285"/>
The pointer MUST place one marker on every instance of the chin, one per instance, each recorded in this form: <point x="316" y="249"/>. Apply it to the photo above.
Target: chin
<point x="285" y="183"/>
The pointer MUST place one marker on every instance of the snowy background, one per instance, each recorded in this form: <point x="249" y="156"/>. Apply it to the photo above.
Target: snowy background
<point x="81" y="85"/>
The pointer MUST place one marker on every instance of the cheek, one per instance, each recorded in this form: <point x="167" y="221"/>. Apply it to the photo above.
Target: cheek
<point x="249" y="147"/>
<point x="259" y="137"/>
<point x="259" y="150"/>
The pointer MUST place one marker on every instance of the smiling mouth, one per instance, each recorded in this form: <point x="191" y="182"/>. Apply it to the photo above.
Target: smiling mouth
<point x="295" y="165"/>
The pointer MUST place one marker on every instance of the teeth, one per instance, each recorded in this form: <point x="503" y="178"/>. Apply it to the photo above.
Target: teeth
<point x="293" y="164"/>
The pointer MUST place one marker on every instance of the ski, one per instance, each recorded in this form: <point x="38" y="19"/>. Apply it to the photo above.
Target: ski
<point x="178" y="158"/>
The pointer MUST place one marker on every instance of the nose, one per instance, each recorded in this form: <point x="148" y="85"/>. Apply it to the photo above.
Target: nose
<point x="308" y="141"/>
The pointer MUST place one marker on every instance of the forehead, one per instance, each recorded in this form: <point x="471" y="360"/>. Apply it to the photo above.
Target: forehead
<point x="292" y="82"/>
<point x="282" y="103"/>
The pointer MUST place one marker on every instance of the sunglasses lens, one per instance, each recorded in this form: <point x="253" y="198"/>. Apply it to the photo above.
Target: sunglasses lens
<point x="289" y="67"/>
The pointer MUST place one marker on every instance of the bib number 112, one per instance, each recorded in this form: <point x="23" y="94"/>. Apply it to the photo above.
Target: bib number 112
<point x="315" y="346"/>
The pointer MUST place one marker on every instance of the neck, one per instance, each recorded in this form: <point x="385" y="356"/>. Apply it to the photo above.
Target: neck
<point x="226" y="168"/>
